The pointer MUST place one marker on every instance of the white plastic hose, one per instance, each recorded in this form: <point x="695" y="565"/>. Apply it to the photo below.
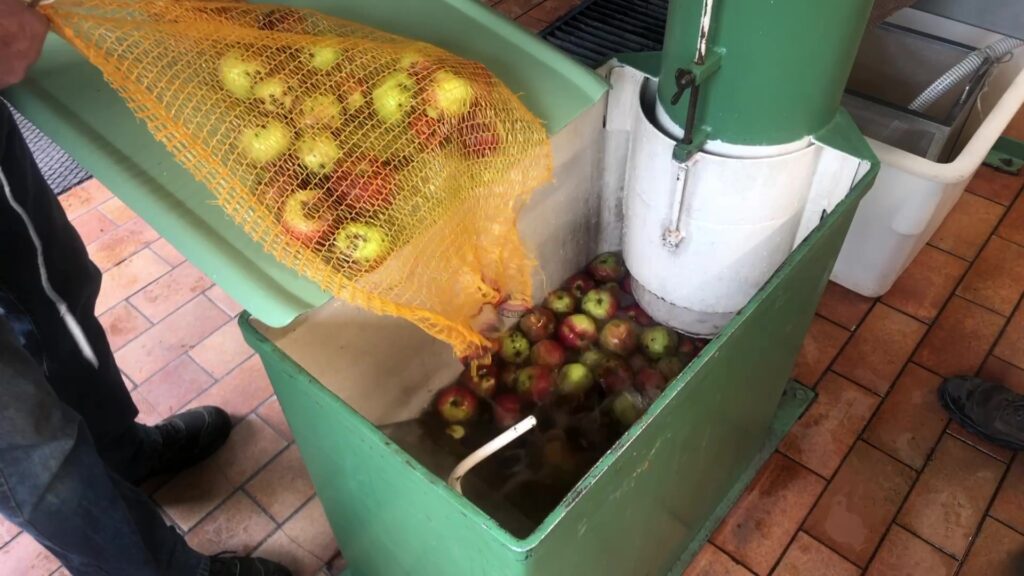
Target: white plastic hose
<point x="499" y="442"/>
<point x="994" y="51"/>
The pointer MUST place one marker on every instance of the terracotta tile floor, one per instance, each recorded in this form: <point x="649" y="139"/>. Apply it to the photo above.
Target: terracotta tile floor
<point x="873" y="480"/>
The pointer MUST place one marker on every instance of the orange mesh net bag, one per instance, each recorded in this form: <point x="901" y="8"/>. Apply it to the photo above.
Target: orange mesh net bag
<point x="388" y="171"/>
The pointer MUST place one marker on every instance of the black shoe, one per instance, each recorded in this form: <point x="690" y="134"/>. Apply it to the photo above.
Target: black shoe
<point x="245" y="566"/>
<point x="188" y="438"/>
<point x="989" y="410"/>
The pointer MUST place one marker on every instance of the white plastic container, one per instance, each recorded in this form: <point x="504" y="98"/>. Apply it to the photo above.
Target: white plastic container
<point x="913" y="195"/>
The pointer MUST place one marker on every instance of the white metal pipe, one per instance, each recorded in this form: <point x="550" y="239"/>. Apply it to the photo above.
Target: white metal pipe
<point x="482" y="453"/>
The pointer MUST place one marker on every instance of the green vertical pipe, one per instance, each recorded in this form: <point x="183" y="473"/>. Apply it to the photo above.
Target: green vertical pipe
<point x="784" y="65"/>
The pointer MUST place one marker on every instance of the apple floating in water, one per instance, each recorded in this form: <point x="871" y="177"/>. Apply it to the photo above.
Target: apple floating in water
<point x="599" y="304"/>
<point x="361" y="244"/>
<point x="239" y="74"/>
<point x="607" y="267"/>
<point x="317" y="152"/>
<point x="515" y="348"/>
<point x="548" y="353"/>
<point x="456" y="404"/>
<point x="657" y="341"/>
<point x="560" y="302"/>
<point x="393" y="97"/>
<point x="574" y="379"/>
<point x="302" y="220"/>
<point x="262" y="144"/>
<point x="577" y="332"/>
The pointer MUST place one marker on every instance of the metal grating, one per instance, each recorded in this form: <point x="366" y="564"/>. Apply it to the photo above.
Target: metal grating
<point x="59" y="169"/>
<point x="596" y="30"/>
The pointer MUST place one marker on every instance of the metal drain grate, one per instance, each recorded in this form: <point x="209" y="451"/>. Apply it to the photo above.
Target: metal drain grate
<point x="596" y="30"/>
<point x="59" y="169"/>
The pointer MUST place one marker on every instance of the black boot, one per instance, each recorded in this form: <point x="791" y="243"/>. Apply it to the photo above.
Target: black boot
<point x="245" y="566"/>
<point x="989" y="410"/>
<point x="186" y="439"/>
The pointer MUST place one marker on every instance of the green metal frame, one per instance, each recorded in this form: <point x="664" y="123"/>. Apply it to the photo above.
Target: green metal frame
<point x="647" y="502"/>
<point x="784" y="65"/>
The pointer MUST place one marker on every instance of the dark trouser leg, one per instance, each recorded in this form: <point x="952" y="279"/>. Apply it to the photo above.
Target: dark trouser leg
<point x="54" y="486"/>
<point x="96" y="392"/>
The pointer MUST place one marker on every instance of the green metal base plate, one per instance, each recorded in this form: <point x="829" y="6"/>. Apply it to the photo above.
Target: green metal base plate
<point x="795" y="401"/>
<point x="1006" y="156"/>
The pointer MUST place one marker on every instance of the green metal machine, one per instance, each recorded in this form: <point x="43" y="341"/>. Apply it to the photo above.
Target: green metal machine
<point x="771" y="74"/>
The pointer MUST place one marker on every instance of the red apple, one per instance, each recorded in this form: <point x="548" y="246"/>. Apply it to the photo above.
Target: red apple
<point x="671" y="366"/>
<point x="658" y="341"/>
<point x="429" y="131"/>
<point x="515" y="348"/>
<point x="638" y="361"/>
<point x="577" y="332"/>
<point x="627" y="284"/>
<point x="620" y="336"/>
<point x="508" y="410"/>
<point x="607" y="267"/>
<point x="614" y="375"/>
<point x="536" y="383"/>
<point x="478" y="137"/>
<point x="456" y="404"/>
<point x="507" y="375"/>
<point x="599" y="304"/>
<point x="650" y="383"/>
<point x="538" y="324"/>
<point x="638" y="315"/>
<point x="548" y="353"/>
<point x="593" y="358"/>
<point x="624" y="300"/>
<point x="353" y="94"/>
<point x="287" y="20"/>
<point x="483" y="379"/>
<point x="303" y="219"/>
<point x="687" y="347"/>
<point x="364" y="183"/>
<point x="574" y="379"/>
<point x="579" y="284"/>
<point x="560" y="302"/>
<point x="627" y="407"/>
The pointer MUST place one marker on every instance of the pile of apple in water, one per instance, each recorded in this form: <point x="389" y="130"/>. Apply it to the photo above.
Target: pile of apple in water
<point x="587" y="363"/>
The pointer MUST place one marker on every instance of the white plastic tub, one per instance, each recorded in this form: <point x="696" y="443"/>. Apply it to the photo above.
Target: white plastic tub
<point x="913" y="195"/>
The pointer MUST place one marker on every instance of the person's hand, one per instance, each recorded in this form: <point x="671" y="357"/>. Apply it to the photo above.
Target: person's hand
<point x="22" y="32"/>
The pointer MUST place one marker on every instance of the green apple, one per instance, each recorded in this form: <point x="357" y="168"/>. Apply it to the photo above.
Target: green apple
<point x="239" y="75"/>
<point x="323" y="56"/>
<point x="273" y="94"/>
<point x="361" y="244"/>
<point x="317" y="152"/>
<point x="393" y="97"/>
<point x="321" y="109"/>
<point x="261" y="144"/>
<point x="448" y="95"/>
